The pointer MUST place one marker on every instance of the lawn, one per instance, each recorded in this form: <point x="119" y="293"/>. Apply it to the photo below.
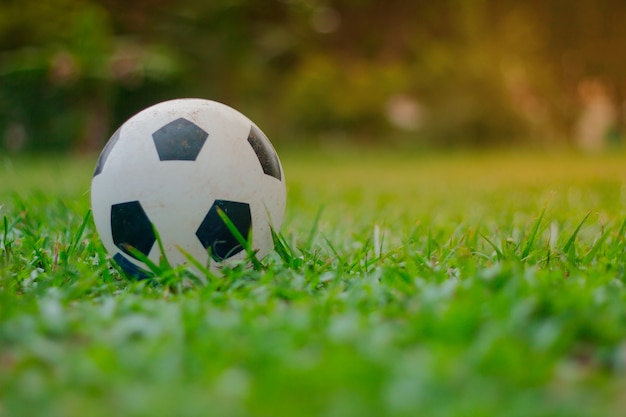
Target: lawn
<point x="403" y="285"/>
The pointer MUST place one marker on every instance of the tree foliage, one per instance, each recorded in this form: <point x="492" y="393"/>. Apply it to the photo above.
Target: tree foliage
<point x="448" y="72"/>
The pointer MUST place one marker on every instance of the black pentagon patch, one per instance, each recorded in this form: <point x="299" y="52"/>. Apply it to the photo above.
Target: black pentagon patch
<point x="214" y="234"/>
<point x="130" y="226"/>
<point x="106" y="151"/>
<point x="130" y="268"/>
<point x="265" y="152"/>
<point x="180" y="140"/>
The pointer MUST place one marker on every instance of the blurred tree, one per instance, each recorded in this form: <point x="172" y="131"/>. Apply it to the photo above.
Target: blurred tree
<point x="582" y="44"/>
<point x="442" y="57"/>
<point x="58" y="81"/>
<point x="472" y="72"/>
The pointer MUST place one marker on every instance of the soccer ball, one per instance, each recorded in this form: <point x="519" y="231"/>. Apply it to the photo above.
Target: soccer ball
<point x="177" y="168"/>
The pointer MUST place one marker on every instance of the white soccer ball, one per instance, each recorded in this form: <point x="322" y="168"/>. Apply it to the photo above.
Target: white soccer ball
<point x="173" y="168"/>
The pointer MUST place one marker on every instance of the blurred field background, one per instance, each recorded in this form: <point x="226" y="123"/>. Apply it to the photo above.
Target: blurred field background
<point x="451" y="73"/>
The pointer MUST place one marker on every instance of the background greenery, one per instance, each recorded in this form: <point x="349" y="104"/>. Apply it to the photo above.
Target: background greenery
<point x="444" y="73"/>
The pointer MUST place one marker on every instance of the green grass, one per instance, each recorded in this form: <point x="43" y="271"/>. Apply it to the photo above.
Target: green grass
<point x="403" y="285"/>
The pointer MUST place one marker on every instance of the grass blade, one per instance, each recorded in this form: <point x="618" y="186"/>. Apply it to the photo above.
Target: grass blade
<point x="314" y="227"/>
<point x="533" y="235"/>
<point x="136" y="253"/>
<point x="6" y="245"/>
<point x="570" y="242"/>
<point x="622" y="230"/>
<point x="245" y="243"/>
<point x="499" y="254"/>
<point x="595" y="248"/>
<point x="204" y="269"/>
<point x="164" y="263"/>
<point x="284" y="250"/>
<point x="79" y="234"/>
